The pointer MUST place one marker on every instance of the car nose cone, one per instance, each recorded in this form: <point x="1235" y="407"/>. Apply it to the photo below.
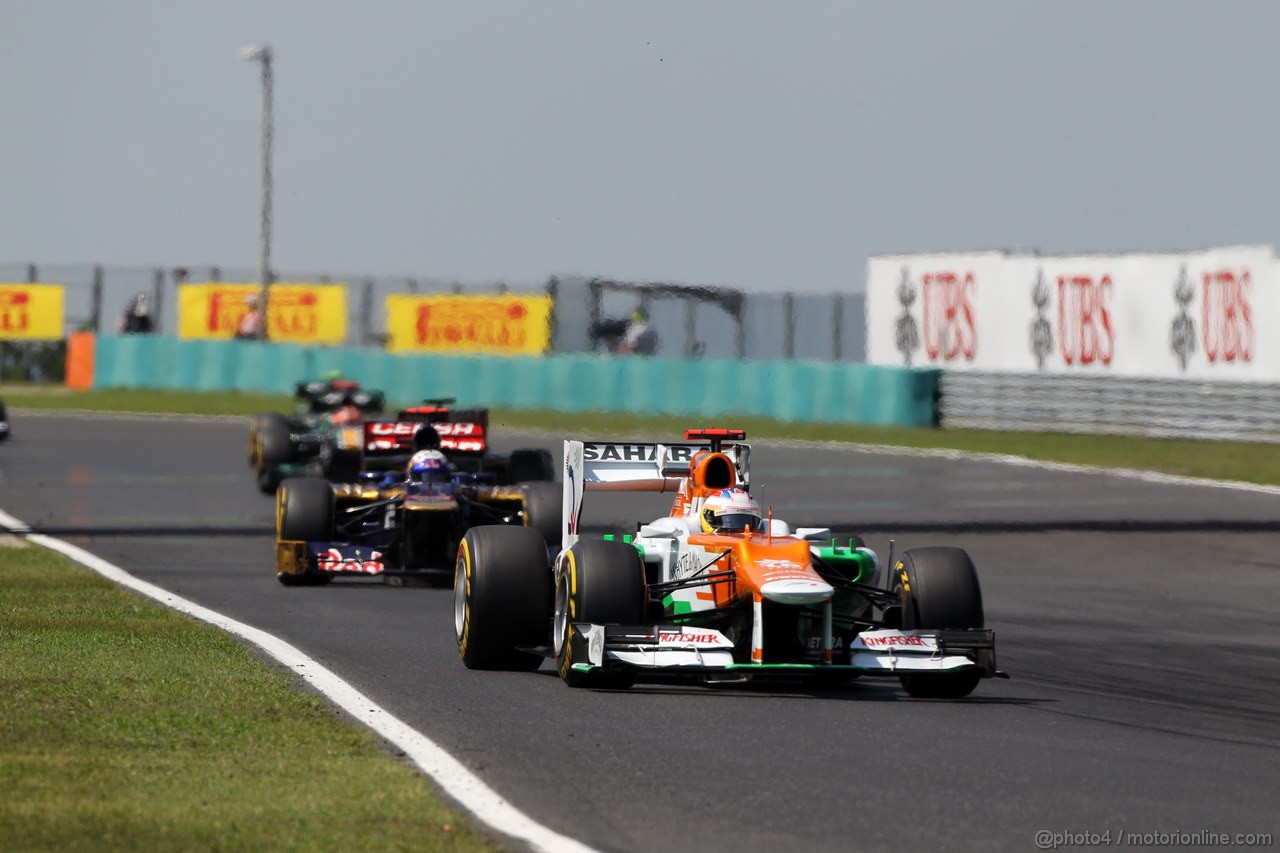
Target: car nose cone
<point x="797" y="591"/>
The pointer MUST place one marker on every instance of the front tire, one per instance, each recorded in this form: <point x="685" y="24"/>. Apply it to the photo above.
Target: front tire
<point x="942" y="591"/>
<point x="602" y="583"/>
<point x="501" y="597"/>
<point x="304" y="513"/>
<point x="304" y="510"/>
<point x="531" y="465"/>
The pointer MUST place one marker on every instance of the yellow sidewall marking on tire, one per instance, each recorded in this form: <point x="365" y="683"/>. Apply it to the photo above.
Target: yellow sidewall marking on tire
<point x="280" y="513"/>
<point x="566" y="651"/>
<point x="465" y="555"/>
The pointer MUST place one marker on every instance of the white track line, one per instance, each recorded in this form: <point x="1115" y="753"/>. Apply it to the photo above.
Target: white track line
<point x="456" y="780"/>
<point x="1025" y="462"/>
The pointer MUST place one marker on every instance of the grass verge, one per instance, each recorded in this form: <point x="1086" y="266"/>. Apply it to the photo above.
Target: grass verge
<point x="1253" y="462"/>
<point x="126" y="726"/>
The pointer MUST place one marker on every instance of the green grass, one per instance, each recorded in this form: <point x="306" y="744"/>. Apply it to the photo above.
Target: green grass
<point x="127" y="726"/>
<point x="1253" y="462"/>
<point x="129" y="400"/>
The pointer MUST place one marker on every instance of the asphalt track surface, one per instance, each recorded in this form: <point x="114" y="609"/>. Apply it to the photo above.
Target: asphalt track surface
<point x="1140" y="622"/>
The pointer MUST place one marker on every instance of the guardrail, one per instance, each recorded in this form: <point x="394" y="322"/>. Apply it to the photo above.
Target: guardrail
<point x="798" y="391"/>
<point x="1107" y="404"/>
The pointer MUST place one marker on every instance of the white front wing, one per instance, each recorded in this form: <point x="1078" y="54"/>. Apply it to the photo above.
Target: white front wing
<point x="884" y="652"/>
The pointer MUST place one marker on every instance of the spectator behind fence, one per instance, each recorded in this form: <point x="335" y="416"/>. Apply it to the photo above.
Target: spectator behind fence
<point x="608" y="334"/>
<point x="136" y="318"/>
<point x="640" y="338"/>
<point x="250" y="325"/>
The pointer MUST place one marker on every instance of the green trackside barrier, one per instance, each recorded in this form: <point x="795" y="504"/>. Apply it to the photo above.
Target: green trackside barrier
<point x="786" y="390"/>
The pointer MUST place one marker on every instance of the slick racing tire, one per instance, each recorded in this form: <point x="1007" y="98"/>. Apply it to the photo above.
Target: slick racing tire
<point x="344" y="466"/>
<point x="275" y="441"/>
<point x="544" y="511"/>
<point x="275" y="447"/>
<point x="530" y="465"/>
<point x="4" y="422"/>
<point x="501" y="597"/>
<point x="255" y="436"/>
<point x="304" y="513"/>
<point x="602" y="583"/>
<point x="942" y="591"/>
<point x="304" y="510"/>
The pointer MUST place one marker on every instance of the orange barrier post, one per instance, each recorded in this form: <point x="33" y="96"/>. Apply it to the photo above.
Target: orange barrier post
<point x="80" y="360"/>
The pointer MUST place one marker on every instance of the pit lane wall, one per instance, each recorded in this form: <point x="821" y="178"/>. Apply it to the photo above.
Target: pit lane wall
<point x="797" y="391"/>
<point x="1192" y="315"/>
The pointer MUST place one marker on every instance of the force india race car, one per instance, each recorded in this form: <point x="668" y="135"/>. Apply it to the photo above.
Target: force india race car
<point x="725" y="605"/>
<point x="393" y="524"/>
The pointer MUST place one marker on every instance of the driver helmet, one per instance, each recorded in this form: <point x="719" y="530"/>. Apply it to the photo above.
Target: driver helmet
<point x="429" y="466"/>
<point x="730" y="511"/>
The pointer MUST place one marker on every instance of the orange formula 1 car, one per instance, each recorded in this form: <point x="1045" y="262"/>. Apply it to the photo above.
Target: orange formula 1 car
<point x="716" y="588"/>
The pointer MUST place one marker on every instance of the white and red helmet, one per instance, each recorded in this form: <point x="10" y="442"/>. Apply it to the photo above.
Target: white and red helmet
<point x="730" y="511"/>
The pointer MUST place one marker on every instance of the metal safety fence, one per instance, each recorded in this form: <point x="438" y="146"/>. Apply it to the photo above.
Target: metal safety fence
<point x="1165" y="408"/>
<point x="689" y="320"/>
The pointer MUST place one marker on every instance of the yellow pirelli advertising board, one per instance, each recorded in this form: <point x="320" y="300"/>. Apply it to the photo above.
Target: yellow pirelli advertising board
<point x="502" y="324"/>
<point x="31" y="312"/>
<point x="298" y="312"/>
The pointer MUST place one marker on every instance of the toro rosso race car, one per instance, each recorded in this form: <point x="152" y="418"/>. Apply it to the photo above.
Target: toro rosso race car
<point x="464" y="439"/>
<point x="397" y="523"/>
<point x="342" y="443"/>
<point x="716" y="588"/>
<point x="309" y="442"/>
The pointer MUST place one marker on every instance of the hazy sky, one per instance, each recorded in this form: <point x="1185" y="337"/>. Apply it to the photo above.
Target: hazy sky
<point x="748" y="143"/>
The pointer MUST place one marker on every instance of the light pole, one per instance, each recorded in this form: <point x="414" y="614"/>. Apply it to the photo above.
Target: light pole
<point x="262" y="53"/>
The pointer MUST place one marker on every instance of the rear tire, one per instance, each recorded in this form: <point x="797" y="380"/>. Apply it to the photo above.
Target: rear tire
<point x="501" y="597"/>
<point x="530" y="466"/>
<point x="942" y="592"/>
<point x="344" y="466"/>
<point x="603" y="584"/>
<point x="304" y="510"/>
<point x="544" y="511"/>
<point x="255" y="434"/>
